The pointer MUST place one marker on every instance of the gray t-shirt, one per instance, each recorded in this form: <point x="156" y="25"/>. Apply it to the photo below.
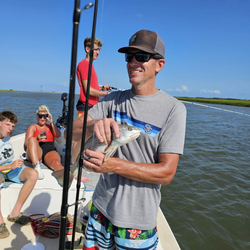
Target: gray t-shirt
<point x="162" y="120"/>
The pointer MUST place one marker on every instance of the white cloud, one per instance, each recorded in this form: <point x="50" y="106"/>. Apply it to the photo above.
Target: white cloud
<point x="210" y="91"/>
<point x="216" y="91"/>
<point x="183" y="88"/>
<point x="65" y="84"/>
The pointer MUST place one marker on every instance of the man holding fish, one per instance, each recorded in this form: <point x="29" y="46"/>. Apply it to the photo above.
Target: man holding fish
<point x="127" y="197"/>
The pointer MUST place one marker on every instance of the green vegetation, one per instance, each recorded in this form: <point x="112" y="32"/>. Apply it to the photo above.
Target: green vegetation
<point x="11" y="90"/>
<point x="234" y="102"/>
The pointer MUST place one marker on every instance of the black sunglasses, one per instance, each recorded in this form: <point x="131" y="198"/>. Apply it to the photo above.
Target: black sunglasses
<point x="141" y="57"/>
<point x="43" y="116"/>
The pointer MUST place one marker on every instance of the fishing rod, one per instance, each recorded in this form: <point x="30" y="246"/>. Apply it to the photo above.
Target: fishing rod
<point x="112" y="88"/>
<point x="84" y="123"/>
<point x="64" y="206"/>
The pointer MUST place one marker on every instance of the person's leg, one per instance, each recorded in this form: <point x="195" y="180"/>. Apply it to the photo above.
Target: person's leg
<point x="99" y="232"/>
<point x="53" y="160"/>
<point x="1" y="217"/>
<point x="4" y="232"/>
<point x="2" y="180"/>
<point x="29" y="177"/>
<point x="34" y="151"/>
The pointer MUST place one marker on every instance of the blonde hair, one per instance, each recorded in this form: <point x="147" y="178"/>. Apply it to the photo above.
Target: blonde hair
<point x="87" y="43"/>
<point x="42" y="108"/>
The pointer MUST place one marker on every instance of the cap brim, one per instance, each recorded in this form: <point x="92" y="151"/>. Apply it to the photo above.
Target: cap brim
<point x="145" y="49"/>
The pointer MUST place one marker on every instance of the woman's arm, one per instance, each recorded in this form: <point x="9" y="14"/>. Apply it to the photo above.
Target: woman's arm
<point x="54" y="129"/>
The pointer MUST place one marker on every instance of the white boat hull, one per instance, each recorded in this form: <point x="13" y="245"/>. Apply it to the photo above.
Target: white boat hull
<point x="46" y="199"/>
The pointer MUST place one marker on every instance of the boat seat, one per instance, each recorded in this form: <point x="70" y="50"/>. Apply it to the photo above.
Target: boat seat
<point x="45" y="198"/>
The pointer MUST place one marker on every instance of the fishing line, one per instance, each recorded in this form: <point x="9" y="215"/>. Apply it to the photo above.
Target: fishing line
<point x="84" y="123"/>
<point x="64" y="207"/>
<point x="101" y="19"/>
<point x="213" y="107"/>
<point x="98" y="63"/>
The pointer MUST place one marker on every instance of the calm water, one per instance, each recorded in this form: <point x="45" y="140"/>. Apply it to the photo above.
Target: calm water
<point x="208" y="203"/>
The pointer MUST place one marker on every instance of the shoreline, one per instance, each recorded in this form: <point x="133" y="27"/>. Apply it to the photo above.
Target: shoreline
<point x="223" y="101"/>
<point x="20" y="91"/>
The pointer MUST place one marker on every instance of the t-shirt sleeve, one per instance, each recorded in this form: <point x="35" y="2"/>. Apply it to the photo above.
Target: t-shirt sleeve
<point x="82" y="71"/>
<point x="173" y="135"/>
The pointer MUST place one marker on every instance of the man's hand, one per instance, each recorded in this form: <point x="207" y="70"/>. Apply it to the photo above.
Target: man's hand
<point x="16" y="164"/>
<point x="93" y="160"/>
<point x="103" y="129"/>
<point x="106" y="87"/>
<point x="103" y="132"/>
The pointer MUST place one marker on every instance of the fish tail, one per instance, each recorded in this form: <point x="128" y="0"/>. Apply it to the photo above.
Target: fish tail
<point x="74" y="167"/>
<point x="59" y="176"/>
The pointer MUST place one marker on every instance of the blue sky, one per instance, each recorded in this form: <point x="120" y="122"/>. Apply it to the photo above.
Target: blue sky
<point x="207" y="44"/>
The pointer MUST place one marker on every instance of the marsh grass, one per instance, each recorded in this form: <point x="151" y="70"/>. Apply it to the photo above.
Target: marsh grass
<point x="11" y="90"/>
<point x="234" y="102"/>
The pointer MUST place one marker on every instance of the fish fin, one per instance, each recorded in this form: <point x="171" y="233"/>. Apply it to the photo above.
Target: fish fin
<point x="110" y="153"/>
<point x="74" y="167"/>
<point x="59" y="174"/>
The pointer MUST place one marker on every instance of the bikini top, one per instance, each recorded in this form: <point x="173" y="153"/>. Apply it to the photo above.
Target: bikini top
<point x="50" y="136"/>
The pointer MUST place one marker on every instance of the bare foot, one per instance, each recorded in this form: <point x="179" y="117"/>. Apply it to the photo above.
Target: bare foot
<point x="83" y="178"/>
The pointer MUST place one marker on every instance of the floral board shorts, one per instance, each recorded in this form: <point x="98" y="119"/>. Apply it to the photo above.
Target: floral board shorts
<point x="102" y="234"/>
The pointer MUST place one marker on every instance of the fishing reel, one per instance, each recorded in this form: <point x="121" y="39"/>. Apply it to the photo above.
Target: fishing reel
<point x="62" y="121"/>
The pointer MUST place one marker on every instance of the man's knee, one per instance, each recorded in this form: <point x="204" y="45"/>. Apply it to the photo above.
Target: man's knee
<point x="30" y="174"/>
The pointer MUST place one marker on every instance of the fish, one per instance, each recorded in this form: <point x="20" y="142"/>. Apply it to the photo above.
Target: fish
<point x="127" y="134"/>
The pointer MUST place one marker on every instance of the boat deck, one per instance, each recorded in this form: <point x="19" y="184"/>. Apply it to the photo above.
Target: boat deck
<point x="23" y="235"/>
<point x="50" y="193"/>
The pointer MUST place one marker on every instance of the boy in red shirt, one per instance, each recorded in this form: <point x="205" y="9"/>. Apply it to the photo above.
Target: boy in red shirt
<point x="82" y="75"/>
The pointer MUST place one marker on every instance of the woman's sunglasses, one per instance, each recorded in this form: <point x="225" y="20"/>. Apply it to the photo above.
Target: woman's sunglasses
<point x="141" y="57"/>
<point x="42" y="116"/>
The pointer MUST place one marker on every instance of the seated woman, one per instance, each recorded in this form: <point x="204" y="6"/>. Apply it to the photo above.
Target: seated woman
<point x="39" y="142"/>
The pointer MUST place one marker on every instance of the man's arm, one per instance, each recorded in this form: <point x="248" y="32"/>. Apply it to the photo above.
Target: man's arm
<point x="92" y="91"/>
<point x="157" y="173"/>
<point x="15" y="164"/>
<point x="78" y="127"/>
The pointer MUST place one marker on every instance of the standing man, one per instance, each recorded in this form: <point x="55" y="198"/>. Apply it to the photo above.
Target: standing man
<point x="82" y="75"/>
<point x="127" y="197"/>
